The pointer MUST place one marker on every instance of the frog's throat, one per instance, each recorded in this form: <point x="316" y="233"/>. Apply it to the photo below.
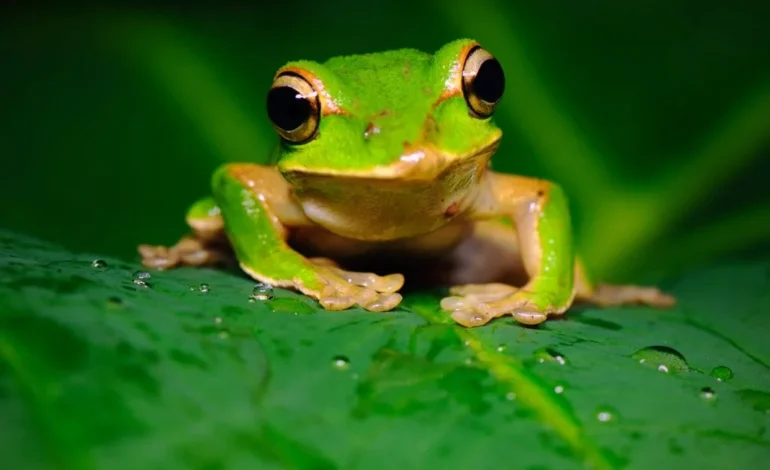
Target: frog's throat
<point x="417" y="163"/>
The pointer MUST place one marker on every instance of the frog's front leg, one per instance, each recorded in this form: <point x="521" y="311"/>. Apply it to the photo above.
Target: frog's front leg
<point x="258" y="210"/>
<point x="205" y="245"/>
<point x="541" y="218"/>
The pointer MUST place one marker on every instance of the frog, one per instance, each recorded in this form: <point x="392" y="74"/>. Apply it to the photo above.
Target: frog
<point x="383" y="165"/>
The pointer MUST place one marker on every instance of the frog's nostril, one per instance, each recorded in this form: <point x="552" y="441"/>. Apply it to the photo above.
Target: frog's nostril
<point x="370" y="130"/>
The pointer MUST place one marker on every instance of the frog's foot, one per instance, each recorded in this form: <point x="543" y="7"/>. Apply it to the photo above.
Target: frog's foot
<point x="343" y="289"/>
<point x="477" y="304"/>
<point x="608" y="295"/>
<point x="189" y="251"/>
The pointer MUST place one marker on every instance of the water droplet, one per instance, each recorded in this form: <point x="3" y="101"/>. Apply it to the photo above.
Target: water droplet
<point x="662" y="358"/>
<point x="722" y="373"/>
<point x="99" y="264"/>
<point x="708" y="393"/>
<point x="341" y="362"/>
<point x="550" y="355"/>
<point x="501" y="348"/>
<point x="606" y="414"/>
<point x="559" y="389"/>
<point x="204" y="288"/>
<point x="510" y="396"/>
<point x="141" y="277"/>
<point x="261" y="291"/>
<point x="218" y="320"/>
<point x="224" y="335"/>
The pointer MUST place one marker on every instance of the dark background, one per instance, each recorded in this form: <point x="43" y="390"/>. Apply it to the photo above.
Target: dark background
<point x="655" y="117"/>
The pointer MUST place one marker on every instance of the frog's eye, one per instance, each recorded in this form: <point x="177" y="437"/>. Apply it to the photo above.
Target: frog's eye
<point x="483" y="82"/>
<point x="293" y="108"/>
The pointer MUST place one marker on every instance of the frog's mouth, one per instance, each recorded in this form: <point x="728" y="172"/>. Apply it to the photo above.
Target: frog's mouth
<point x="422" y="162"/>
<point x="427" y="163"/>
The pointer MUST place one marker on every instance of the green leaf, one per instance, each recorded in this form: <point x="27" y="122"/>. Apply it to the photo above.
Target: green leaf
<point x="100" y="371"/>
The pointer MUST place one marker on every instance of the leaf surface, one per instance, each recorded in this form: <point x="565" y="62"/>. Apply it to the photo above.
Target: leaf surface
<point x="98" y="371"/>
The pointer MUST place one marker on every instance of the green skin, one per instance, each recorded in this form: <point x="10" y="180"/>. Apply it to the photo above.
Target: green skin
<point x="414" y="102"/>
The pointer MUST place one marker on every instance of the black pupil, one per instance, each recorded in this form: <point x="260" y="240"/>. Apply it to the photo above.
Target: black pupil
<point x="490" y="81"/>
<point x="287" y="108"/>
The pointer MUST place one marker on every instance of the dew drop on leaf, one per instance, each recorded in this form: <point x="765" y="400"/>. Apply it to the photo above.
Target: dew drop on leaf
<point x="501" y="348"/>
<point x="606" y="414"/>
<point x="262" y="292"/>
<point x="99" y="264"/>
<point x="141" y="277"/>
<point x="662" y="358"/>
<point x="708" y="393"/>
<point x="341" y="362"/>
<point x="218" y="320"/>
<point x="550" y="355"/>
<point x="559" y="389"/>
<point x="510" y="396"/>
<point x="722" y="373"/>
<point x="204" y="288"/>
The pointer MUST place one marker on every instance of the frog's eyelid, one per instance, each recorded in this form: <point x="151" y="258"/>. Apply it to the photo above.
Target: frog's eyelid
<point x="328" y="104"/>
<point x="453" y="84"/>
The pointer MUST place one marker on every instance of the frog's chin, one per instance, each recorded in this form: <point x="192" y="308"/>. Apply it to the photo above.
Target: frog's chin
<point x="419" y="194"/>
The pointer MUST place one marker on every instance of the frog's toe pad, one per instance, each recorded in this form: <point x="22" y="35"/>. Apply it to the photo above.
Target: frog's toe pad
<point x="389" y="284"/>
<point x="345" y="289"/>
<point x="608" y="295"/>
<point x="476" y="304"/>
<point x="189" y="251"/>
<point x="160" y="257"/>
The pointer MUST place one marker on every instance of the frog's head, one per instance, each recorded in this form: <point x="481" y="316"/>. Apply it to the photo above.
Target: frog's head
<point x="398" y="115"/>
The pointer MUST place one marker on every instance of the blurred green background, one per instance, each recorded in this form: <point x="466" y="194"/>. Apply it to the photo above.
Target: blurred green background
<point x="654" y="116"/>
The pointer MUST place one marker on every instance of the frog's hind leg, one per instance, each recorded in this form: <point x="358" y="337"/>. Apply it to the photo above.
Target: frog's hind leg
<point x="487" y="267"/>
<point x="206" y="244"/>
<point x="606" y="295"/>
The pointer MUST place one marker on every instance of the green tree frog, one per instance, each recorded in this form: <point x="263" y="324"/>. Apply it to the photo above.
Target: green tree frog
<point x="383" y="163"/>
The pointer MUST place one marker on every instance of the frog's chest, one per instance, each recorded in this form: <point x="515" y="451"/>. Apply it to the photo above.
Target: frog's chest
<point x="383" y="209"/>
<point x="319" y="242"/>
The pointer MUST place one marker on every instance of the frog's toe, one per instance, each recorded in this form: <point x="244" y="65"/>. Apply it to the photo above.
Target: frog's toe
<point x="189" y="251"/>
<point x="467" y="310"/>
<point x="608" y="295"/>
<point x="383" y="302"/>
<point x="477" y="304"/>
<point x="483" y="292"/>
<point x="160" y="257"/>
<point x="389" y="284"/>
<point x="470" y="318"/>
<point x="334" y="299"/>
<point x="345" y="289"/>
